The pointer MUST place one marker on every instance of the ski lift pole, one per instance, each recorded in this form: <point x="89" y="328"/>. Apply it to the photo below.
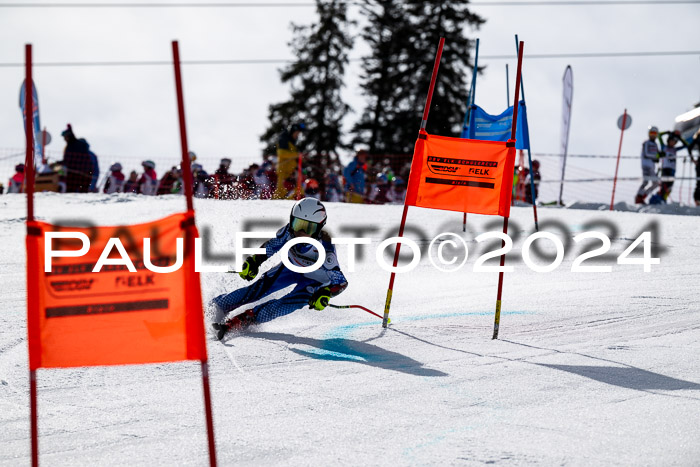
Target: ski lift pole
<point x="529" y="156"/>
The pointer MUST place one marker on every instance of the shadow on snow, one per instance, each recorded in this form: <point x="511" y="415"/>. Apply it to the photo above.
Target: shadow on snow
<point x="630" y="377"/>
<point x="349" y="350"/>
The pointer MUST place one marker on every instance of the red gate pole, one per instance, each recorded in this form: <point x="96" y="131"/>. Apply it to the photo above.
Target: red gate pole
<point x="187" y="174"/>
<point x="423" y="123"/>
<point x="29" y="187"/>
<point x="186" y="168"/>
<point x="497" y="319"/>
<point x="619" y="150"/>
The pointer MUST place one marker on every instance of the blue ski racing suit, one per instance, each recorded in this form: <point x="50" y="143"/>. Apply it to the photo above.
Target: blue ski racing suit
<point x="279" y="277"/>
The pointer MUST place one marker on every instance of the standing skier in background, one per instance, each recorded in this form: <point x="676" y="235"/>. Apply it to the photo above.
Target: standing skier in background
<point x="314" y="289"/>
<point x="668" y="160"/>
<point x="287" y="156"/>
<point x="650" y="154"/>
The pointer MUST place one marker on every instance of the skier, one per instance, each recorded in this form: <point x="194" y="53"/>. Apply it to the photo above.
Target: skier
<point x="314" y="289"/>
<point x="650" y="155"/>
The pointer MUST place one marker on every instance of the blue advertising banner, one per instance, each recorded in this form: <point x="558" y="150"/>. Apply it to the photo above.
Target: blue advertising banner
<point x="487" y="127"/>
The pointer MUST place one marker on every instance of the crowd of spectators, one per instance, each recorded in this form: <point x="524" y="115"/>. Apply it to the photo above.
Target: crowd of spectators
<point x="367" y="179"/>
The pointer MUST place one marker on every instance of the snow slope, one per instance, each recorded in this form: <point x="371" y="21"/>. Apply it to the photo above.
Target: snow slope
<point x="590" y="369"/>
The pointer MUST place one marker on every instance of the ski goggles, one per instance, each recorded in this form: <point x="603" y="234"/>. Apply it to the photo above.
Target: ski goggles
<point x="301" y="225"/>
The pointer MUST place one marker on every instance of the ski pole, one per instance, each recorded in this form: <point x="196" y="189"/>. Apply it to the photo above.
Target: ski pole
<point x="358" y="306"/>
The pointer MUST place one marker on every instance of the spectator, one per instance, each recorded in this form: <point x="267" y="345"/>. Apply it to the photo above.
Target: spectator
<point x="311" y="189"/>
<point x="263" y="188"/>
<point x="223" y="180"/>
<point x="695" y="143"/>
<point x="379" y="193"/>
<point x="115" y="180"/>
<point x="334" y="188"/>
<point x="650" y="154"/>
<point x="287" y="156"/>
<point x="148" y="182"/>
<point x="170" y="183"/>
<point x="58" y="168"/>
<point x="201" y="185"/>
<point x="398" y="193"/>
<point x="77" y="162"/>
<point x="95" y="168"/>
<point x="132" y="185"/>
<point x="355" y="177"/>
<point x="246" y="182"/>
<point x="536" y="177"/>
<point x="16" y="184"/>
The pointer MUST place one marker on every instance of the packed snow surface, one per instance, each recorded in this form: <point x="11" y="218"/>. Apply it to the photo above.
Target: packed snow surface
<point x="590" y="368"/>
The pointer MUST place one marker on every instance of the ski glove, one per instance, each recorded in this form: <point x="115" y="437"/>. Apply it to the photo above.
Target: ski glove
<point x="319" y="300"/>
<point x="250" y="269"/>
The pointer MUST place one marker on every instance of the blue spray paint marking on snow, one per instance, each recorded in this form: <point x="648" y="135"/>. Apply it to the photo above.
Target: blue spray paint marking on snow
<point x="336" y="347"/>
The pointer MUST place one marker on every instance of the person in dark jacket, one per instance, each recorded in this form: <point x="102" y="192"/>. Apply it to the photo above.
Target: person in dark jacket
<point x="77" y="162"/>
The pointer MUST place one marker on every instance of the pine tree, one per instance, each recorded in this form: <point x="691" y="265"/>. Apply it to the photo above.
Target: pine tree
<point x="403" y="36"/>
<point x="316" y="79"/>
<point x="385" y="82"/>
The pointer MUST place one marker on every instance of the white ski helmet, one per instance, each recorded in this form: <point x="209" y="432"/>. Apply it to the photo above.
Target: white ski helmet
<point x="653" y="129"/>
<point x="308" y="215"/>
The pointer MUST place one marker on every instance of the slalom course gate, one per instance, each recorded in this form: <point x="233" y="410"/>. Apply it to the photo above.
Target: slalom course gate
<point x="463" y="175"/>
<point x="76" y="317"/>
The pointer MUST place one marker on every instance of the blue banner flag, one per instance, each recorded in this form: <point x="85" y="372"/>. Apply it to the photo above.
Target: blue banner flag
<point x="38" y="148"/>
<point x="486" y="127"/>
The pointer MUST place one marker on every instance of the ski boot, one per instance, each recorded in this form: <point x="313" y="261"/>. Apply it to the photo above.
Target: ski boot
<point x="238" y="322"/>
<point x="639" y="199"/>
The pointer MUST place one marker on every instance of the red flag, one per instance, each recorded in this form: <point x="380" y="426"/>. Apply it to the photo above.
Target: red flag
<point x="461" y="175"/>
<point x="77" y="317"/>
